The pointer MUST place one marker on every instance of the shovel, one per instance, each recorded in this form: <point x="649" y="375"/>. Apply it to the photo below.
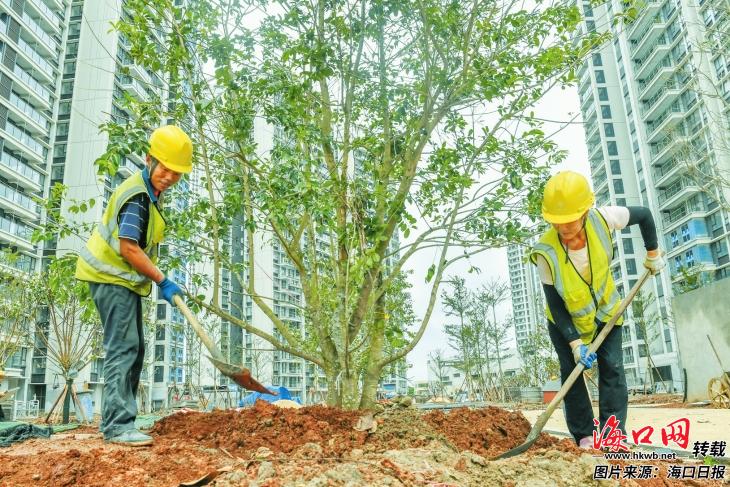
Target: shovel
<point x="543" y="418"/>
<point x="239" y="375"/>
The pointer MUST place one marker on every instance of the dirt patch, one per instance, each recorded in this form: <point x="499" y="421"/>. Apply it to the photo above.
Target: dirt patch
<point x="488" y="432"/>
<point x="242" y="432"/>
<point x="313" y="446"/>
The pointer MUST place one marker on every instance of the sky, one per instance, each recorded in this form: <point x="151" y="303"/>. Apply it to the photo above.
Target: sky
<point x="558" y="105"/>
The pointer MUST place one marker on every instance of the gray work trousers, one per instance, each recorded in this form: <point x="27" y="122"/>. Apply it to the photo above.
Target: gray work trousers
<point x="121" y="316"/>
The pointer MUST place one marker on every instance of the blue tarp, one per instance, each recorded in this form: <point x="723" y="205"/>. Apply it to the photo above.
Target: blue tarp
<point x="283" y="392"/>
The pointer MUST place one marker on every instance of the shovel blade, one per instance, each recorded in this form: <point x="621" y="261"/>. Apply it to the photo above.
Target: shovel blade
<point x="241" y="376"/>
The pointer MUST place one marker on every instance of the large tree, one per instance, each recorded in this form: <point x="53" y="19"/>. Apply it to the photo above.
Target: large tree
<point x="331" y="129"/>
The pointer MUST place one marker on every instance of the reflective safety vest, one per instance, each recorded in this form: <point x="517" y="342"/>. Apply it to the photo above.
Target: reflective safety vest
<point x="101" y="261"/>
<point x="585" y="300"/>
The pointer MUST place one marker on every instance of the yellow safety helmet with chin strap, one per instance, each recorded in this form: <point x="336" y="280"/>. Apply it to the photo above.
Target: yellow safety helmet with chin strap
<point x="566" y="198"/>
<point x="173" y="148"/>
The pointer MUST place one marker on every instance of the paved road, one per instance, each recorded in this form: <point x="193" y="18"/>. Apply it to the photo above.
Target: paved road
<point x="705" y="424"/>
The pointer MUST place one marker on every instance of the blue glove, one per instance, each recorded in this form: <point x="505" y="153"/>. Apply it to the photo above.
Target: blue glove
<point x="169" y="289"/>
<point x="580" y="354"/>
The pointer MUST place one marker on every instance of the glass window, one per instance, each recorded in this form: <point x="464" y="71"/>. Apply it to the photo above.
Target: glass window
<point x="67" y="87"/>
<point x="615" y="166"/>
<point x="608" y="129"/>
<point x="612" y="148"/>
<point x="597" y="60"/>
<point x="159" y="373"/>
<point x="159" y="353"/>
<point x="602" y="94"/>
<point x="628" y="246"/>
<point x="631" y="266"/>
<point x="618" y="186"/>
<point x="600" y="76"/>
<point x="606" y="111"/>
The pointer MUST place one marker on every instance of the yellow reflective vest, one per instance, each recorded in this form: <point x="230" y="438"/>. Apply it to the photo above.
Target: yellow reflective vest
<point x="101" y="261"/>
<point x="585" y="299"/>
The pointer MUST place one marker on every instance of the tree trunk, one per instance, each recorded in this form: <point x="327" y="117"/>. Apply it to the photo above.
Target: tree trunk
<point x="333" y="393"/>
<point x="349" y="391"/>
<point x="67" y="400"/>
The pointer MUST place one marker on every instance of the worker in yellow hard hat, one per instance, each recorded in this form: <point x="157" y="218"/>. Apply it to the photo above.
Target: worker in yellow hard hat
<point x="573" y="259"/>
<point x="119" y="262"/>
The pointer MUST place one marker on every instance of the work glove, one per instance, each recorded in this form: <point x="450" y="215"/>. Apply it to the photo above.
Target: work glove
<point x="168" y="289"/>
<point x="580" y="354"/>
<point x="655" y="264"/>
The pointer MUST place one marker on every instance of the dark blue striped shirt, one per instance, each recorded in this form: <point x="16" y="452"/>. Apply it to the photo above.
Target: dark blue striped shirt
<point x="134" y="218"/>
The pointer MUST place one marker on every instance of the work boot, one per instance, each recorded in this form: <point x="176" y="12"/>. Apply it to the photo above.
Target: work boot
<point x="586" y="443"/>
<point x="131" y="438"/>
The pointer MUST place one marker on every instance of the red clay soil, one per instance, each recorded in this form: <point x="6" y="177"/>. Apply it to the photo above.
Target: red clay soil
<point x="280" y="430"/>
<point x="489" y="431"/>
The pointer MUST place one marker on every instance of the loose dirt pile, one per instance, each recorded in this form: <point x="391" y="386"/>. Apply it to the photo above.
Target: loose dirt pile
<point x="311" y="446"/>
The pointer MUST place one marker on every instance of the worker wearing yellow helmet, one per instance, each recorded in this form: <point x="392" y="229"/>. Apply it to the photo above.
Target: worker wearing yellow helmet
<point x="573" y="259"/>
<point x="119" y="262"/>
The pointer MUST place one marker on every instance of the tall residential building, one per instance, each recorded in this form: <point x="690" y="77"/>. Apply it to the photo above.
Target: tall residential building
<point x="652" y="126"/>
<point x="528" y="302"/>
<point x="33" y="37"/>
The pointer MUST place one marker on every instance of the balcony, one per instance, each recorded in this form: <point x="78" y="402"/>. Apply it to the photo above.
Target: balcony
<point x="45" y="13"/>
<point x="36" y="61"/>
<point x="22" y="141"/>
<point x="38" y="36"/>
<point x="127" y="167"/>
<point x="651" y="38"/>
<point x="677" y="193"/>
<point x="661" y="126"/>
<point x="18" y="203"/>
<point x="19" y="233"/>
<point x="657" y="79"/>
<point x="648" y="12"/>
<point x="665" y="173"/>
<point x="16" y="171"/>
<point x="134" y="87"/>
<point x="661" y="101"/>
<point x="29" y="114"/>
<point x="31" y="87"/>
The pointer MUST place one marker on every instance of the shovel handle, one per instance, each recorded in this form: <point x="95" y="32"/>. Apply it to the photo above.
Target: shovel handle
<point x="204" y="337"/>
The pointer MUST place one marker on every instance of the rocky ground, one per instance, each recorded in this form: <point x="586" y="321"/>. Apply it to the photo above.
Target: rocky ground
<point x="316" y="446"/>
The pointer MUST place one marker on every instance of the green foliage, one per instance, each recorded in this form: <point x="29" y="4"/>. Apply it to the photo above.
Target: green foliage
<point x="328" y="128"/>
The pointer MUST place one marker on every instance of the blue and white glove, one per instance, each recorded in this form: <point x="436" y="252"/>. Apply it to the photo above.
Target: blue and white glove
<point x="580" y="354"/>
<point x="169" y="289"/>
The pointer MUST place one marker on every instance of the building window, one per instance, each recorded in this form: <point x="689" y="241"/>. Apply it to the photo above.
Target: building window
<point x="618" y="186"/>
<point x="159" y="353"/>
<point x="615" y="166"/>
<point x="606" y="111"/>
<point x="597" y="59"/>
<point x="602" y="94"/>
<point x="630" y="266"/>
<point x="600" y="77"/>
<point x="689" y="258"/>
<point x="612" y="148"/>
<point x="628" y="246"/>
<point x="608" y="128"/>
<point x="159" y="373"/>
<point x="161" y="311"/>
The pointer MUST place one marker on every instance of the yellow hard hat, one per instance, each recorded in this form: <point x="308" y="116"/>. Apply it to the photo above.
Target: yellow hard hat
<point x="566" y="198"/>
<point x="173" y="148"/>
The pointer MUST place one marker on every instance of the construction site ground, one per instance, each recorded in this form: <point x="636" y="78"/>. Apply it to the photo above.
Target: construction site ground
<point x="319" y="446"/>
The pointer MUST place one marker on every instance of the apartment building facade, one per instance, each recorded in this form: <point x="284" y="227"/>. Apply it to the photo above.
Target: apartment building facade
<point x="652" y="128"/>
<point x="528" y="302"/>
